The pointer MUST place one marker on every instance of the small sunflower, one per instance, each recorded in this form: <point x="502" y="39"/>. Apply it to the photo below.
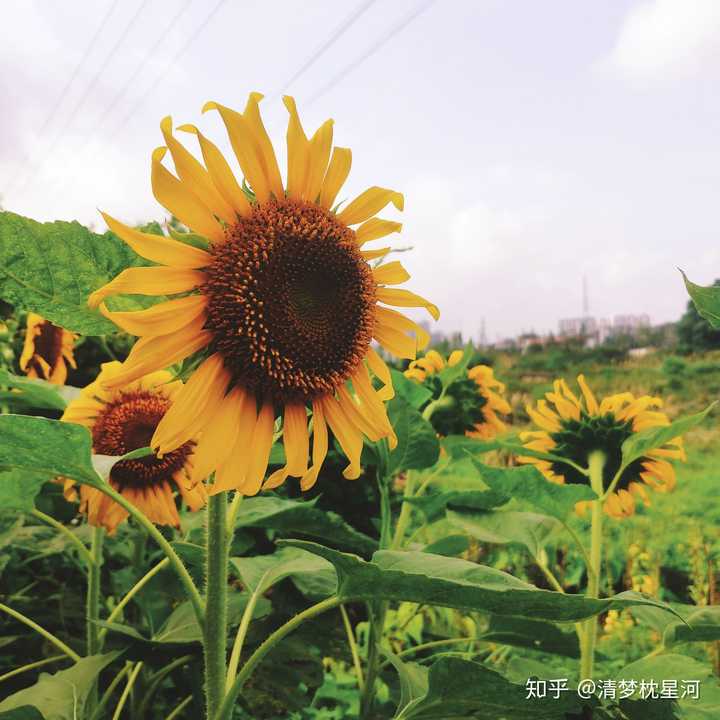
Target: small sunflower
<point x="281" y="306"/>
<point x="124" y="419"/>
<point x="575" y="427"/>
<point x="472" y="402"/>
<point x="47" y="350"/>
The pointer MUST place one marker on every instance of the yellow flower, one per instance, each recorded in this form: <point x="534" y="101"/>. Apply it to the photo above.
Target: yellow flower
<point x="473" y="402"/>
<point x="121" y="420"/>
<point x="282" y="305"/>
<point x="46" y="350"/>
<point x="573" y="427"/>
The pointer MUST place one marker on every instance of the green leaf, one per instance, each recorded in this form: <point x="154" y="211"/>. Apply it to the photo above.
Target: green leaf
<point x="264" y="571"/>
<point x="702" y="626"/>
<point x="450" y="582"/>
<point x="465" y="690"/>
<point x="414" y="393"/>
<point x="528" y="483"/>
<point x="433" y="505"/>
<point x="51" y="268"/>
<point x="534" y="634"/>
<point x="46" y="446"/>
<point x="61" y="696"/>
<point x="449" y="546"/>
<point x="302" y="518"/>
<point x="706" y="300"/>
<point x="458" y="446"/>
<point x="29" y="393"/>
<point x="418" y="446"/>
<point x="639" y="444"/>
<point x="529" y="529"/>
<point x="26" y="712"/>
<point x="413" y="679"/>
<point x="19" y="488"/>
<point x="103" y="464"/>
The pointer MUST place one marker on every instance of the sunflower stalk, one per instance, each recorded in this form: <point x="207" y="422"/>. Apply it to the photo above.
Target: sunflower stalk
<point x="92" y="607"/>
<point x="215" y="635"/>
<point x="596" y="463"/>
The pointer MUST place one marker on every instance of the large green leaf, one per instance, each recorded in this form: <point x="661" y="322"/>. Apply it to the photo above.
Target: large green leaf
<point x="19" y="488"/>
<point x="463" y="690"/>
<point x="45" y="446"/>
<point x="21" y="393"/>
<point x="26" y="712"/>
<point x="51" y="268"/>
<point x="706" y="300"/>
<point x="413" y="679"/>
<point x="639" y="444"/>
<point x="534" y="634"/>
<point x="418" y="446"/>
<point x="527" y="483"/>
<point x="433" y="505"/>
<point x="450" y="582"/>
<point x="261" y="572"/>
<point x="61" y="696"/>
<point x="412" y="392"/>
<point x="302" y="518"/>
<point x="701" y="626"/>
<point x="529" y="529"/>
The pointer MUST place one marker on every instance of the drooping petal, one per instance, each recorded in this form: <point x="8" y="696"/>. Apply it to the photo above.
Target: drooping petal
<point x="375" y="228"/>
<point x="347" y="435"/>
<point x="320" y="447"/>
<point x="395" y="342"/>
<point x="195" y="176"/>
<point x="405" y="298"/>
<point x="393" y="320"/>
<point x="158" y="248"/>
<point x="382" y="372"/>
<point x="221" y="173"/>
<point x="230" y="475"/>
<point x="392" y="273"/>
<point x="369" y="203"/>
<point x="181" y="201"/>
<point x="149" y="281"/>
<point x="260" y="446"/>
<point x="161" y="319"/>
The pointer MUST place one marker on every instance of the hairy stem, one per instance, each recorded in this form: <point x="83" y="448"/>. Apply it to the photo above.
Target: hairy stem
<point x="67" y="532"/>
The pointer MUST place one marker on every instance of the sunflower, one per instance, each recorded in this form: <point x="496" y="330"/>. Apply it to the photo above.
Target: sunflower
<point x="470" y="404"/>
<point x="278" y="304"/>
<point x="46" y="350"/>
<point x="573" y="428"/>
<point x="121" y="420"/>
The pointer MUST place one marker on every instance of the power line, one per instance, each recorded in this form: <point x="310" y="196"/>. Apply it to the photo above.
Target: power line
<point x="339" y="31"/>
<point x="168" y="67"/>
<point x="61" y="96"/>
<point x="93" y="82"/>
<point x="394" y="30"/>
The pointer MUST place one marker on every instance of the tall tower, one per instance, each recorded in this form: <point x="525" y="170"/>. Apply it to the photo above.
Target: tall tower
<point x="585" y="301"/>
<point x="483" y="335"/>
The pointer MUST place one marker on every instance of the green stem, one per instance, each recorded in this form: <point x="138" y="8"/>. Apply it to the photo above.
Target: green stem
<point x="98" y="712"/>
<point x="353" y="648"/>
<point x="236" y="653"/>
<point x="215" y="645"/>
<point x="385" y="513"/>
<point x="177" y="564"/>
<point x="92" y="607"/>
<point x="377" y="611"/>
<point x="155" y="680"/>
<point x="176" y="712"/>
<point x="405" y="512"/>
<point x="444" y="402"/>
<point x="134" y="590"/>
<point x="67" y="532"/>
<point x="31" y="666"/>
<point x="596" y="463"/>
<point x="434" y="644"/>
<point x="254" y="660"/>
<point x="126" y="691"/>
<point x="59" y="644"/>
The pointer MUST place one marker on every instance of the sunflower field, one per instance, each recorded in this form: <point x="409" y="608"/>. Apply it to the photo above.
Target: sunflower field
<point x="236" y="480"/>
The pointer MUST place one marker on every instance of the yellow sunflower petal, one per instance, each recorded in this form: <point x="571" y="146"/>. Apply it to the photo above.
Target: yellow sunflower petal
<point x="405" y="298"/>
<point x="335" y="177"/>
<point x="376" y="228"/>
<point x="296" y="439"/>
<point x="455" y="357"/>
<point x="263" y="145"/>
<point x="230" y="474"/>
<point x="395" y="342"/>
<point x="246" y="147"/>
<point x="181" y="201"/>
<point x="221" y="173"/>
<point x="369" y="203"/>
<point x="158" y="248"/>
<point x="590" y="402"/>
<point x="394" y="320"/>
<point x="319" y="155"/>
<point x="195" y="176"/>
<point x="382" y="373"/>
<point x="298" y="148"/>
<point x="375" y="254"/>
<point x="149" y="281"/>
<point x="346" y="433"/>
<point x="392" y="273"/>
<point x="320" y="447"/>
<point x="161" y="319"/>
<point x="260" y="445"/>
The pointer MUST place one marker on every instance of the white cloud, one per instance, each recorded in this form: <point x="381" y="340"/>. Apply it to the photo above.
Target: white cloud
<point x="664" y="37"/>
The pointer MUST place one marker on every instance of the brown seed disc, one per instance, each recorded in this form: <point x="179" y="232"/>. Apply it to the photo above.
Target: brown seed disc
<point x="128" y="424"/>
<point x="48" y="346"/>
<point x="291" y="301"/>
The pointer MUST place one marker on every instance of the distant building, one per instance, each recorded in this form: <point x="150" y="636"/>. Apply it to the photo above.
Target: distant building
<point x="576" y="327"/>
<point x="629" y="324"/>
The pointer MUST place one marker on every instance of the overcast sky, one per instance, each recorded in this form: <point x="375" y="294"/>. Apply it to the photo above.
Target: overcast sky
<point x="535" y="142"/>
